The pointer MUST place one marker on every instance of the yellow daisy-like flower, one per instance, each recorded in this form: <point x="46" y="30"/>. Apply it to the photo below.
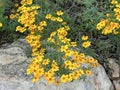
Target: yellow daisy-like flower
<point x="20" y="29"/>
<point x="43" y="23"/>
<point x="59" y="19"/>
<point x="40" y="28"/>
<point x="48" y="16"/>
<point x="57" y="83"/>
<point x="35" y="79"/>
<point x="16" y="5"/>
<point x="51" y="80"/>
<point x="46" y="61"/>
<point x="0" y="24"/>
<point x="88" y="72"/>
<point x="59" y="13"/>
<point x="86" y="44"/>
<point x="73" y="44"/>
<point x="84" y="37"/>
<point x="64" y="78"/>
<point x="64" y="23"/>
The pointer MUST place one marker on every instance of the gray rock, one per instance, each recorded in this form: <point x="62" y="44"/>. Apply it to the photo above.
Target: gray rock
<point x="13" y="65"/>
<point x="21" y="43"/>
<point x="114" y="68"/>
<point x="15" y="84"/>
<point x="12" y="54"/>
<point x="17" y="51"/>
<point x="100" y="80"/>
<point x="97" y="81"/>
<point x="117" y="84"/>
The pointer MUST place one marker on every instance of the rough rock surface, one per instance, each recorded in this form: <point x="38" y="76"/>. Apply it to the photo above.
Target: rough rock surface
<point x="117" y="84"/>
<point x="13" y="64"/>
<point x="114" y="72"/>
<point x="114" y="68"/>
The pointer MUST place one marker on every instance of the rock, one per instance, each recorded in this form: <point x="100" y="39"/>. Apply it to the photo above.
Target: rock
<point x="116" y="84"/>
<point x="13" y="65"/>
<point x="15" y="84"/>
<point x="21" y="43"/>
<point x="14" y="52"/>
<point x="114" y="68"/>
<point x="100" y="80"/>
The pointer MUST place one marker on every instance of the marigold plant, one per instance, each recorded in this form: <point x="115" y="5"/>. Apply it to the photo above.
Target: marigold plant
<point x="110" y="28"/>
<point x="55" y="58"/>
<point x="111" y="24"/>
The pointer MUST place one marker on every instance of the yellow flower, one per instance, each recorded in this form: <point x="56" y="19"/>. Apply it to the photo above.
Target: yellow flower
<point x="115" y="32"/>
<point x="64" y="23"/>
<point x="84" y="37"/>
<point x="88" y="72"/>
<point x="73" y="44"/>
<point x="82" y="55"/>
<point x="40" y="28"/>
<point x="118" y="17"/>
<point x="64" y="48"/>
<point x="64" y="78"/>
<point x="55" y="68"/>
<point x="110" y="28"/>
<point x="16" y="5"/>
<point x="107" y="14"/>
<point x="48" y="16"/>
<point x="114" y="2"/>
<point x="51" y="72"/>
<point x="67" y="63"/>
<point x="0" y="24"/>
<point x="28" y="71"/>
<point x="70" y="78"/>
<point x="51" y="80"/>
<point x="67" y="28"/>
<point x="20" y="29"/>
<point x="75" y="75"/>
<point x="72" y="66"/>
<point x="102" y="24"/>
<point x="68" y="53"/>
<point x="45" y="61"/>
<point x="47" y="75"/>
<point x="91" y="60"/>
<point x="59" y="13"/>
<point x="40" y="72"/>
<point x="43" y="23"/>
<point x="53" y="34"/>
<point x="59" y="19"/>
<point x="32" y="27"/>
<point x="86" y="44"/>
<point x="52" y="18"/>
<point x="51" y="40"/>
<point x="57" y="83"/>
<point x="35" y="79"/>
<point x="94" y="65"/>
<point x="54" y="63"/>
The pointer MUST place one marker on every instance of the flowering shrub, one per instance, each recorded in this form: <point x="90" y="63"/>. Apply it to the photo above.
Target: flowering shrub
<point x="8" y="21"/>
<point x="110" y="28"/>
<point x="111" y="24"/>
<point x="55" y="58"/>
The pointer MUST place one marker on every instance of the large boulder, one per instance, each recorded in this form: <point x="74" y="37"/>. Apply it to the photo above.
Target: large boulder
<point x="13" y="65"/>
